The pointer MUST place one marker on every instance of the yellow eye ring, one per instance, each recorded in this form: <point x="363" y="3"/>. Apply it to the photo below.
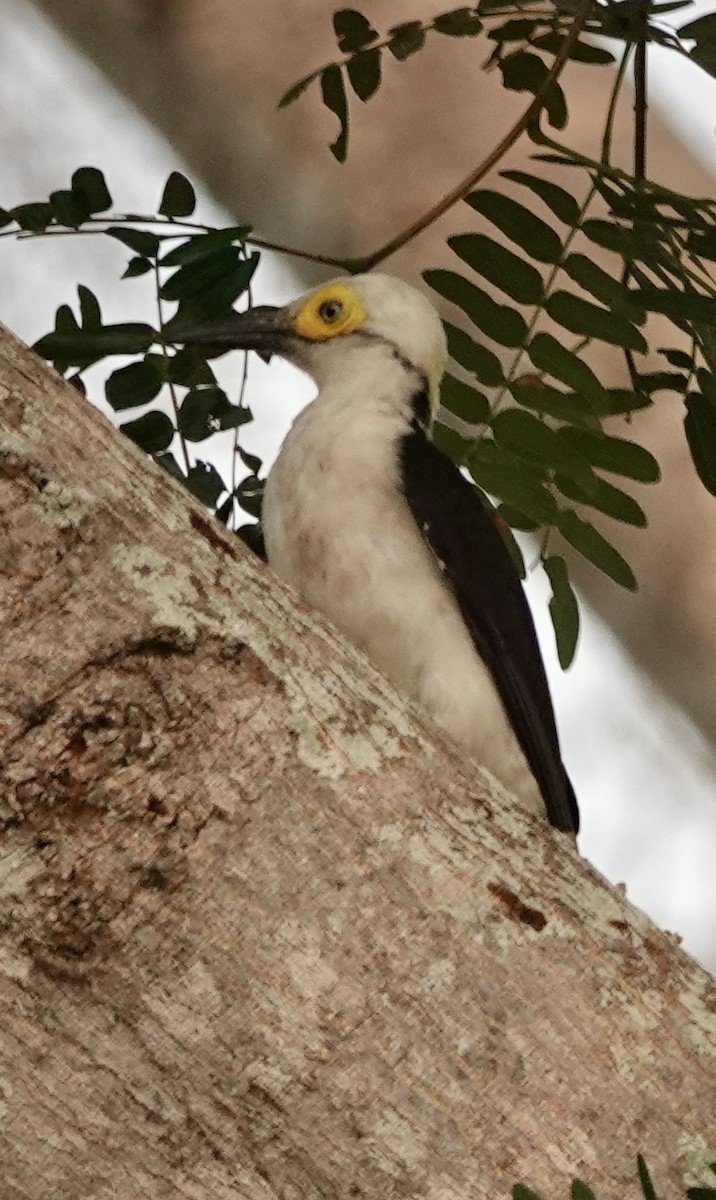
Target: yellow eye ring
<point x="330" y="311"/>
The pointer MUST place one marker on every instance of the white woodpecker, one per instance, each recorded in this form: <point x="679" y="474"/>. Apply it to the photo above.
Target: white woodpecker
<point x="381" y="532"/>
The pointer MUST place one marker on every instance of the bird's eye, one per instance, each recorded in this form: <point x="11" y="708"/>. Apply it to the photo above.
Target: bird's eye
<point x="331" y="311"/>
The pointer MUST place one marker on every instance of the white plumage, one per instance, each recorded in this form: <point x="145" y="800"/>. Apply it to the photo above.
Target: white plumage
<point x="377" y="530"/>
<point x="338" y="529"/>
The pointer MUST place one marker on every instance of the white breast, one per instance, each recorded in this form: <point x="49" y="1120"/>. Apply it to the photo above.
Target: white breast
<point x="339" y="530"/>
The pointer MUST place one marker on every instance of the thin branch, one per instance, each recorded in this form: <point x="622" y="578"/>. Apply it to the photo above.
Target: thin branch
<point x="103" y="224"/>
<point x="343" y="264"/>
<point x="612" y="110"/>
<point x="528" y="118"/>
<point x="640" y="109"/>
<point x="172" y="391"/>
<point x="549" y="282"/>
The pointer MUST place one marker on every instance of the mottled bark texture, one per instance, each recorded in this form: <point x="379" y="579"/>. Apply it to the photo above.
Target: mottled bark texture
<point x="263" y="933"/>
<point x="210" y="74"/>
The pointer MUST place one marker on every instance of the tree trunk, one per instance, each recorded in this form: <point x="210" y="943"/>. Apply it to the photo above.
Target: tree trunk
<point x="264" y="933"/>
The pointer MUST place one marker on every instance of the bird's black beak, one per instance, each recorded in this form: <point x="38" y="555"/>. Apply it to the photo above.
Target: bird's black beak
<point x="265" y="329"/>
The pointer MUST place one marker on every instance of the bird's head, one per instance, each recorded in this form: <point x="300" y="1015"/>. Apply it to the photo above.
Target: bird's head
<point x="323" y="331"/>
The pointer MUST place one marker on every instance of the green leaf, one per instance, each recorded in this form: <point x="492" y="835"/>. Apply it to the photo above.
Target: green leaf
<point x="618" y="455"/>
<point x="520" y="1192"/>
<point x="647" y="1186"/>
<point x="167" y="460"/>
<point x="334" y="97"/>
<point x="477" y="359"/>
<point x="132" y="386"/>
<point x="212" y="284"/>
<point x="564" y="611"/>
<point x="580" y="1191"/>
<point x="669" y="6"/>
<point x="707" y="382"/>
<point x="69" y="209"/>
<point x="201" y="276"/>
<point x="464" y="401"/>
<point x="596" y="549"/>
<point x="517" y="29"/>
<point x="591" y="320"/>
<point x="555" y="105"/>
<point x="524" y="72"/>
<point x="252" y="534"/>
<point x="136" y="266"/>
<point x="583" y="52"/>
<point x="508" y="538"/>
<point x="607" y="499"/>
<point x="297" y="89"/>
<point x="406" y="39"/>
<point x="88" y="184"/>
<point x="89" y="307"/>
<point x="206" y="411"/>
<point x="516" y="519"/>
<point x="562" y="406"/>
<point x="703" y="29"/>
<point x="518" y="279"/>
<point x="640" y="242"/>
<point x="249" y="493"/>
<point x="364" y="72"/>
<point x="531" y="234"/>
<point x="188" y="367"/>
<point x="205" y="482"/>
<point x="702" y="245"/>
<point x="501" y="323"/>
<point x="204" y="245"/>
<point x="685" y="306"/>
<point x="603" y="287"/>
<point x="531" y="439"/>
<point x="450" y="442"/>
<point x="561" y="203"/>
<point x="678" y="358"/>
<point x="226" y="508"/>
<point x="353" y="31"/>
<point x="551" y="356"/>
<point x="34" y="218"/>
<point x="459" y="22"/>
<point x="78" y="383"/>
<point x="700" y="430"/>
<point x="178" y="197"/>
<point x="707" y="344"/>
<point x="501" y="473"/>
<point x="701" y="1193"/>
<point x="84" y="346"/>
<point x="139" y="240"/>
<point x="233" y="416"/>
<point x="65" y="320"/>
<point x="663" y="381"/>
<point x="620" y="401"/>
<point x="152" y="432"/>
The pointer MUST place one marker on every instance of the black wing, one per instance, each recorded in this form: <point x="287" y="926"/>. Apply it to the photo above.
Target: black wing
<point x="494" y="608"/>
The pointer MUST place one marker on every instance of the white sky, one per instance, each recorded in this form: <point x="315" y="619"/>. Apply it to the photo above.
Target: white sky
<point x="645" y="778"/>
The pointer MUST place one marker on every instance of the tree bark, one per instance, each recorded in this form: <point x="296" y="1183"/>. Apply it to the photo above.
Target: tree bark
<point x="264" y="933"/>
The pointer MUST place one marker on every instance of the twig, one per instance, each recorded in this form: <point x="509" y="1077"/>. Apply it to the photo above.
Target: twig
<point x="172" y="392"/>
<point x="640" y="109"/>
<point x="528" y="118"/>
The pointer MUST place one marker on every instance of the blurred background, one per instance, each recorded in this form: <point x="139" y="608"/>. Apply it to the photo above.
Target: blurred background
<point x="143" y="87"/>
